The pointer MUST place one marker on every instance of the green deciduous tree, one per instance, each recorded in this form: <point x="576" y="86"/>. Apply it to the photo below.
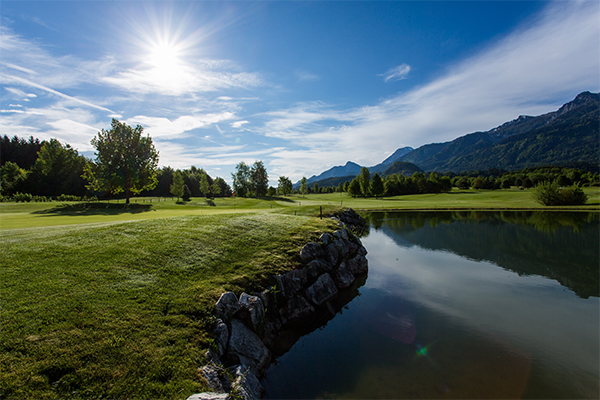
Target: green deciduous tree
<point x="215" y="188"/>
<point x="125" y="161"/>
<point x="177" y="188"/>
<point x="303" y="185"/>
<point x="57" y="170"/>
<point x="241" y="180"/>
<point x="377" y="188"/>
<point x="259" y="179"/>
<point x="204" y="186"/>
<point x="354" y="188"/>
<point x="284" y="185"/>
<point x="12" y="176"/>
<point x="364" y="179"/>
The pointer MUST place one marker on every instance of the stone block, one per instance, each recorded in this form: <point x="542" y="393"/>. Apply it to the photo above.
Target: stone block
<point x="323" y="290"/>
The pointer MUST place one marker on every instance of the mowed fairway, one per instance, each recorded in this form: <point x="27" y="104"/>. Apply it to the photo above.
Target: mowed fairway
<point x="102" y="300"/>
<point x="29" y="215"/>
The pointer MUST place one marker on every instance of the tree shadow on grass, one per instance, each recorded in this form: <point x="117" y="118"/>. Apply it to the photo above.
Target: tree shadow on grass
<point x="95" y="209"/>
<point x="278" y="198"/>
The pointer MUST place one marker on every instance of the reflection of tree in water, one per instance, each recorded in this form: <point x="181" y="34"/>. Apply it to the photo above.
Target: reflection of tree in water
<point x="564" y="246"/>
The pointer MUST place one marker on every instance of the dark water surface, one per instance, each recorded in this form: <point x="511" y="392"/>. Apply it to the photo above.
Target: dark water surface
<point x="461" y="305"/>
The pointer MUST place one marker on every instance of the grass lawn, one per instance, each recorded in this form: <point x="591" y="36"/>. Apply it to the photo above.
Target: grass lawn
<point x="456" y="199"/>
<point x="114" y="301"/>
<point x="122" y="310"/>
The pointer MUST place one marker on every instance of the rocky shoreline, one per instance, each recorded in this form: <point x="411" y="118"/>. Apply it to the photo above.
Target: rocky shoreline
<point x="250" y="328"/>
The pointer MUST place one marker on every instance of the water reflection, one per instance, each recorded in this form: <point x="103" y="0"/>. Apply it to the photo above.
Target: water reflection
<point x="438" y="318"/>
<point x="562" y="246"/>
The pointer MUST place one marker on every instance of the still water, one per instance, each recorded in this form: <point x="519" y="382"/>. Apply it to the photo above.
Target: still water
<point x="460" y="305"/>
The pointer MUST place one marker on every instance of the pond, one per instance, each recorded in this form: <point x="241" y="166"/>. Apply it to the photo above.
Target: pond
<point x="460" y="305"/>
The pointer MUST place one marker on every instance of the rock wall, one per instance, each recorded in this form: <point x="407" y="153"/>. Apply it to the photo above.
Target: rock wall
<point x="248" y="326"/>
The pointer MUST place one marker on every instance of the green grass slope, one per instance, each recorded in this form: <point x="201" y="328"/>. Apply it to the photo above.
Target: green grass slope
<point x="122" y="311"/>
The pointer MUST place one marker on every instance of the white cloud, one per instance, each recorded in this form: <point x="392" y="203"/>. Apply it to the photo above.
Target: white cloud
<point x="77" y="134"/>
<point x="397" y="73"/>
<point x="165" y="128"/>
<point x="238" y="124"/>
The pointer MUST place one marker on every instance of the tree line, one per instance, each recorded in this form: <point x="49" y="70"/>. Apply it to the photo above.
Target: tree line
<point x="432" y="182"/>
<point x="125" y="165"/>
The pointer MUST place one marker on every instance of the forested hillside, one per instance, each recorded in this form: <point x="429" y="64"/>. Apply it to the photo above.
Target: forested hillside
<point x="569" y="136"/>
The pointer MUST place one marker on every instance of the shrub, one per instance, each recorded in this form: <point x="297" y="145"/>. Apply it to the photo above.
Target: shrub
<point x="24" y="197"/>
<point x="41" y="199"/>
<point x="68" y="197"/>
<point x="550" y="194"/>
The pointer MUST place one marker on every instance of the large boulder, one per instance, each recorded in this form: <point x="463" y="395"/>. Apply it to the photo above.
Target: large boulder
<point x="358" y="265"/>
<point x="245" y="347"/>
<point x="221" y="337"/>
<point x="342" y="246"/>
<point x="332" y="254"/>
<point x="291" y="282"/>
<point x="341" y="234"/>
<point x="254" y="312"/>
<point x="325" y="238"/>
<point x="227" y="306"/>
<point x="294" y="309"/>
<point x="209" y="396"/>
<point x="216" y="377"/>
<point x="342" y="276"/>
<point x="246" y="385"/>
<point x="311" y="251"/>
<point x="315" y="268"/>
<point x="322" y="290"/>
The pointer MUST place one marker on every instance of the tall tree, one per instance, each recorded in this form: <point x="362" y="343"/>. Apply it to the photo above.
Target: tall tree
<point x="284" y="185"/>
<point x="215" y="188"/>
<point x="365" y="181"/>
<point x="204" y="186"/>
<point x="224" y="188"/>
<point x="241" y="180"/>
<point x="259" y="179"/>
<point x="303" y="185"/>
<point x="177" y="188"/>
<point x="377" y="188"/>
<point x="125" y="161"/>
<point x="354" y="188"/>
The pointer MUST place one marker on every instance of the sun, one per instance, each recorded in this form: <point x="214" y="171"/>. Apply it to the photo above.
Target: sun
<point x="164" y="57"/>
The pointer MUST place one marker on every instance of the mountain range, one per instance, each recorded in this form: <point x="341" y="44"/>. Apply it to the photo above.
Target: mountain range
<point x="566" y="137"/>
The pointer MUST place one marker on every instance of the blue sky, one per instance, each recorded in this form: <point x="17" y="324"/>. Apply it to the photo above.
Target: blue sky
<point x="302" y="86"/>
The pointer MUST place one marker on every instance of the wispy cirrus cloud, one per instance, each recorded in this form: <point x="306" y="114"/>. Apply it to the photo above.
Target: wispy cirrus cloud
<point x="397" y="73"/>
<point x="305" y="76"/>
<point x="182" y="79"/>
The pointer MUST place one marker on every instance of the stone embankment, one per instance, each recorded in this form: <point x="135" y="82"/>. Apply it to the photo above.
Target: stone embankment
<point x="247" y="327"/>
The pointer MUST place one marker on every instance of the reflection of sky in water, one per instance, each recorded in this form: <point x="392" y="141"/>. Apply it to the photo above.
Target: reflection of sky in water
<point x="434" y="324"/>
<point x="536" y="314"/>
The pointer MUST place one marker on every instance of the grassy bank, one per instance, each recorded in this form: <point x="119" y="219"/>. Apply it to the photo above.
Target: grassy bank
<point x="122" y="310"/>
